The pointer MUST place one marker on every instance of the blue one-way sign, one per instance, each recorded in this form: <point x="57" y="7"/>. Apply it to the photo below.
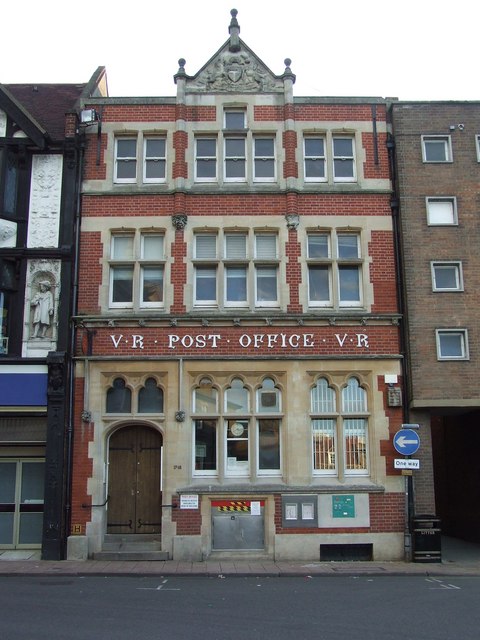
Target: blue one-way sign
<point x="406" y="441"/>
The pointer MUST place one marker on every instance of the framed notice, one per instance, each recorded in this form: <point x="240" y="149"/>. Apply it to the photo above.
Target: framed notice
<point x="189" y="501"/>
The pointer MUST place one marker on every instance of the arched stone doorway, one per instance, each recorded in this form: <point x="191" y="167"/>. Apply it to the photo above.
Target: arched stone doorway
<point x="134" y="481"/>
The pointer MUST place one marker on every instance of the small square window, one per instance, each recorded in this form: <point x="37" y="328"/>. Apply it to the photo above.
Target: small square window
<point x="441" y="211"/>
<point x="235" y="119"/>
<point x="447" y="276"/>
<point x="436" y="149"/>
<point x="452" y="344"/>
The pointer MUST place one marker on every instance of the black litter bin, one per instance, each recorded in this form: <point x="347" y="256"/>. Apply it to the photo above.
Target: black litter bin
<point x="427" y="539"/>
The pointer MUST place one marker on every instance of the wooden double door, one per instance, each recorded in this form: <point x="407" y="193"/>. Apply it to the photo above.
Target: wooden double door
<point x="134" y="481"/>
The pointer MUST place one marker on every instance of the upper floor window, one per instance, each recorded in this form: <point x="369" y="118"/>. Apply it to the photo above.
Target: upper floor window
<point x="236" y="269"/>
<point x="441" y="211"/>
<point x="314" y="158"/>
<point x="149" y="397"/>
<point x="338" y="165"/>
<point x="436" y="149"/>
<point x="477" y="146"/>
<point x="119" y="397"/>
<point x="153" y="151"/>
<point x="137" y="270"/>
<point x="344" y="159"/>
<point x="447" y="276"/>
<point x="8" y="182"/>
<point x="334" y="269"/>
<point x="236" y="154"/>
<point x="452" y="344"/>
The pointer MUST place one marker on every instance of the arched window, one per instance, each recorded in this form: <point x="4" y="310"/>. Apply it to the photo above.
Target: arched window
<point x="205" y="398"/>
<point x="354" y="398"/>
<point x="150" y="397"/>
<point x="268" y="397"/>
<point x="119" y="397"/>
<point x="237" y="398"/>
<point x="324" y="428"/>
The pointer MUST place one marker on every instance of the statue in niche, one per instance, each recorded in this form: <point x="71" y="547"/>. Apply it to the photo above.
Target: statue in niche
<point x="42" y="302"/>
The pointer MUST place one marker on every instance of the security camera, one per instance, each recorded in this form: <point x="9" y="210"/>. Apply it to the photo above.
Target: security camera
<point x="461" y="127"/>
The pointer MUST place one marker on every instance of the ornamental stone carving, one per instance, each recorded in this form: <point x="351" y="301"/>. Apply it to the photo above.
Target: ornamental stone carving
<point x="45" y="197"/>
<point x="179" y="221"/>
<point x="8" y="233"/>
<point x="41" y="307"/>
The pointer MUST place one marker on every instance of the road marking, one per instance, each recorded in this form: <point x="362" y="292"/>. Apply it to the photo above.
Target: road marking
<point x="441" y="584"/>
<point x="159" y="588"/>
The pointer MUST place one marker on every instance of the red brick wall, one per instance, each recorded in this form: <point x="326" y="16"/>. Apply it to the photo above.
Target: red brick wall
<point x="81" y="463"/>
<point x="189" y="521"/>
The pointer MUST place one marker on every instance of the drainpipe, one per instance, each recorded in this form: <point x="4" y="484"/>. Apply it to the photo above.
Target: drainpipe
<point x="401" y="299"/>
<point x="73" y="332"/>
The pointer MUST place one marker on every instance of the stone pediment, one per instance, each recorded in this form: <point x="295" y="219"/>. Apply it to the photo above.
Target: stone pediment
<point x="237" y="71"/>
<point x="234" y="69"/>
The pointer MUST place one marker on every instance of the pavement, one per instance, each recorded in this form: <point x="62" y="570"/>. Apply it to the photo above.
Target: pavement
<point x="459" y="558"/>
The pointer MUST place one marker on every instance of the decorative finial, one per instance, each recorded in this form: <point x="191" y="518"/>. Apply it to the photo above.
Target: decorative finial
<point x="234" y="31"/>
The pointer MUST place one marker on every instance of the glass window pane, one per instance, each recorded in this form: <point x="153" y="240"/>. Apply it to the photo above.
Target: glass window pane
<point x="126" y="169"/>
<point x="324" y="445"/>
<point x="451" y="345"/>
<point x="234" y="119"/>
<point x="343" y="168"/>
<point x="347" y="246"/>
<point x="206" y="168"/>
<point x="205" y="399"/>
<point x="155" y="169"/>
<point x="30" y="529"/>
<point x="236" y="284"/>
<point x="235" y="246"/>
<point x="435" y="150"/>
<point x="206" y="147"/>
<point x="205" y="246"/>
<point x="152" y="247"/>
<point x="206" y="284"/>
<point x="268" y="445"/>
<point x="150" y="398"/>
<point x="266" y="284"/>
<point x="33" y="479"/>
<point x="266" y="246"/>
<point x="446" y="277"/>
<point x="314" y="147"/>
<point x="264" y="147"/>
<point x="205" y="445"/>
<point x="349" y="284"/>
<point x="319" y="284"/>
<point x="235" y="147"/>
<point x="152" y="284"/>
<point x="343" y="147"/>
<point x="322" y="398"/>
<point x="318" y="246"/>
<point x="314" y="168"/>
<point x="122" y="247"/>
<point x="237" y="398"/>
<point x="119" y="397"/>
<point x="155" y="148"/>
<point x="235" y="168"/>
<point x="355" y="439"/>
<point x="441" y="211"/>
<point x="126" y="148"/>
<point x="237" y="447"/>
<point x="122" y="284"/>
<point x="264" y="168"/>
<point x="354" y="398"/>
<point x="8" y="471"/>
<point x="6" y="528"/>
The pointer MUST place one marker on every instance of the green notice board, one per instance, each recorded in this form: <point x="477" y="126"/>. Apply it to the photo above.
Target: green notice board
<point x="343" y="506"/>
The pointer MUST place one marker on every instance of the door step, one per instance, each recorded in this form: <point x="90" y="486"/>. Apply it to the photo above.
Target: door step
<point x="132" y="548"/>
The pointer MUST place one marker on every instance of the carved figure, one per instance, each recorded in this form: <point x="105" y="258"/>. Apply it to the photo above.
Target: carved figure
<point x="43" y="303"/>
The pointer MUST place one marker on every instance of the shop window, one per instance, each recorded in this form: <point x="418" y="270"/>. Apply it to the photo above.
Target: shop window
<point x="251" y="442"/>
<point x="119" y="397"/>
<point x="339" y="438"/>
<point x="150" y="397"/>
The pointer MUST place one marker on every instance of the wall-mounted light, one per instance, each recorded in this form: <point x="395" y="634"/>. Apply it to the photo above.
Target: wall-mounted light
<point x="88" y="116"/>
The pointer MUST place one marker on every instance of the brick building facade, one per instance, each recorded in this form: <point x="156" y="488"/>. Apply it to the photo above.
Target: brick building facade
<point x="238" y="365"/>
<point x="437" y="149"/>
